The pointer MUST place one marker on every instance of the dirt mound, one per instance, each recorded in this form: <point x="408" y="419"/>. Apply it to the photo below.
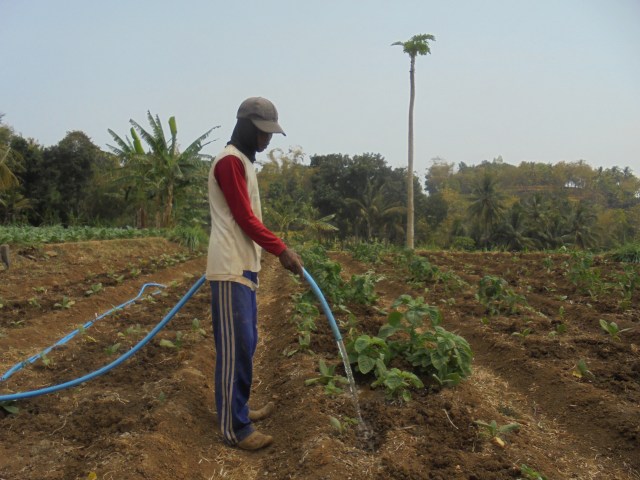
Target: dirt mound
<point x="154" y="417"/>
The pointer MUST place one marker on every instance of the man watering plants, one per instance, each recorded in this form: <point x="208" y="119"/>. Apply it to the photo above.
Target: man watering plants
<point x="235" y="245"/>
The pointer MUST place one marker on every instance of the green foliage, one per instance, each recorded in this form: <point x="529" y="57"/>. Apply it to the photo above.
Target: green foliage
<point x="612" y="329"/>
<point x="113" y="349"/>
<point x="586" y="278"/>
<point x="493" y="430"/>
<point x="361" y="289"/>
<point x="176" y="344"/>
<point x="328" y="378"/>
<point x="192" y="237"/>
<point x="397" y="382"/>
<point x="367" y="252"/>
<point x="530" y="473"/>
<point x="581" y="370"/>
<point x="65" y="304"/>
<point x="197" y="328"/>
<point x="497" y="297"/>
<point x="342" y="427"/>
<point x="325" y="272"/>
<point x="365" y="351"/>
<point x="444" y="355"/>
<point x="33" y="236"/>
<point x="165" y="173"/>
<point x="627" y="253"/>
<point x="10" y="407"/>
<point x="95" y="288"/>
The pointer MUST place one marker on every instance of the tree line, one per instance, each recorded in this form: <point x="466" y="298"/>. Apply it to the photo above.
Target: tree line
<point x="147" y="180"/>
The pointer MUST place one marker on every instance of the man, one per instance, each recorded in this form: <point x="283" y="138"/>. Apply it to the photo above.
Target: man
<point x="237" y="239"/>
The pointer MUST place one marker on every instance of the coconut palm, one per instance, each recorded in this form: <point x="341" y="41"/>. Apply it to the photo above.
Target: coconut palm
<point x="7" y="178"/>
<point x="486" y="207"/>
<point x="374" y="209"/>
<point x="416" y="45"/>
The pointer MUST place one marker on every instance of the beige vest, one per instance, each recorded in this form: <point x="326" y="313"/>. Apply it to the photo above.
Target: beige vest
<point x="231" y="251"/>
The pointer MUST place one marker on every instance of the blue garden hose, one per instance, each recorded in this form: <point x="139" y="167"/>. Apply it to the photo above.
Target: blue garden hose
<point x="115" y="363"/>
<point x="72" y="383"/>
<point x="68" y="337"/>
<point x="325" y="306"/>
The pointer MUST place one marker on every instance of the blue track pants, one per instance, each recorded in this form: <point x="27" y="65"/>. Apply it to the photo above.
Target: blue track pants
<point x="234" y="313"/>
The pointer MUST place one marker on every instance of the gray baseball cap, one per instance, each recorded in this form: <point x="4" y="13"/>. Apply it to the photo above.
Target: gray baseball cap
<point x="262" y="113"/>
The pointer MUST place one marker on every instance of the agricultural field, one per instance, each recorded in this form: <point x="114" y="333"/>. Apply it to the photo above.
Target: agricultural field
<point x="552" y="390"/>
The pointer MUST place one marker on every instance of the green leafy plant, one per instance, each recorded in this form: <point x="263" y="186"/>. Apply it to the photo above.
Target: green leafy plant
<point x="444" y="355"/>
<point x="95" y="288"/>
<point x="365" y="351"/>
<point x="496" y="296"/>
<point x="196" y="328"/>
<point x="65" y="304"/>
<point x="496" y="432"/>
<point x="586" y="278"/>
<point x="361" y="289"/>
<point x="46" y="360"/>
<point x="131" y="331"/>
<point x="627" y="283"/>
<point x="33" y="302"/>
<point x="530" y="473"/>
<point x="10" y="407"/>
<point x="628" y="253"/>
<point x="176" y="344"/>
<point x="328" y="378"/>
<point x="342" y="427"/>
<point x="112" y="349"/>
<point x="368" y="252"/>
<point x="522" y="334"/>
<point x="612" y="329"/>
<point x="397" y="383"/>
<point x="581" y="370"/>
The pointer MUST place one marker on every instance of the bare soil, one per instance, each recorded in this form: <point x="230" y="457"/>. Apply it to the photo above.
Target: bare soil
<point x="154" y="417"/>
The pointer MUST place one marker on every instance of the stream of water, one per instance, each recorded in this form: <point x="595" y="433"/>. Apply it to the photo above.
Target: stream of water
<point x="363" y="428"/>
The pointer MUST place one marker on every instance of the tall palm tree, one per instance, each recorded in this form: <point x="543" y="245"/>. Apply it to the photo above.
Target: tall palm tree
<point x="487" y="206"/>
<point x="7" y="178"/>
<point x="164" y="168"/>
<point x="416" y="45"/>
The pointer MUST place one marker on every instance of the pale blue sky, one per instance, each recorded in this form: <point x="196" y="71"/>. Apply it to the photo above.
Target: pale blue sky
<point x="530" y="80"/>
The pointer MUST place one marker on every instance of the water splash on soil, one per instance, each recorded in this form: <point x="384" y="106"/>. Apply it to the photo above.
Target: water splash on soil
<point x="363" y="429"/>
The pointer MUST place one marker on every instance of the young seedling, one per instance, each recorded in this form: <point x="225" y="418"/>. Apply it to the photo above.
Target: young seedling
<point x="581" y="370"/>
<point x="9" y="407"/>
<point x="342" y="427"/>
<point x="46" y="361"/>
<point x="33" y="302"/>
<point x="65" y="304"/>
<point x="328" y="378"/>
<point x="612" y="329"/>
<point x="523" y="334"/>
<point x="495" y="432"/>
<point x="169" y="344"/>
<point x="112" y="349"/>
<point x="196" y="328"/>
<point x="530" y="473"/>
<point x="95" y="288"/>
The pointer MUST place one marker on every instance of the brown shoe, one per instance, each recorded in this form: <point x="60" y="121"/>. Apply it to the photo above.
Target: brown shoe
<point x="255" y="441"/>
<point x="261" y="414"/>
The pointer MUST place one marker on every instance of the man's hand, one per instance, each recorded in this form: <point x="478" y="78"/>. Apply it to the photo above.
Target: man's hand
<point x="292" y="262"/>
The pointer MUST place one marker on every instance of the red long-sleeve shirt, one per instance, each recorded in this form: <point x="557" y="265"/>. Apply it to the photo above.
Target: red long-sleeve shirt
<point x="229" y="173"/>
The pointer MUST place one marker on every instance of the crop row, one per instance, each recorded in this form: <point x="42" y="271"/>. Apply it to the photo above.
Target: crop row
<point x="27" y="235"/>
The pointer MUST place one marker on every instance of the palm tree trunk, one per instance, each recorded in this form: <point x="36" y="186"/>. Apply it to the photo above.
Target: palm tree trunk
<point x="410" y="209"/>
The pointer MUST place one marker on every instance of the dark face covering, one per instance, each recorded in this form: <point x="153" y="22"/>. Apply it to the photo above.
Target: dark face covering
<point x="245" y="138"/>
